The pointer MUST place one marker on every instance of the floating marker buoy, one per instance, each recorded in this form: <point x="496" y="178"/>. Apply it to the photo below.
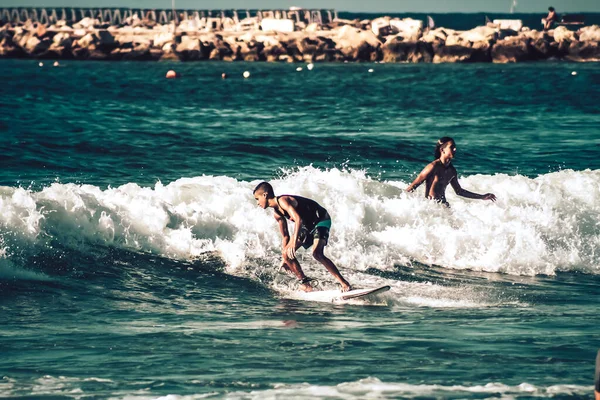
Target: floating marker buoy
<point x="172" y="74"/>
<point x="56" y="64"/>
<point x="310" y="66"/>
<point x="246" y="74"/>
<point x="224" y="75"/>
<point x="371" y="70"/>
<point x="574" y="73"/>
<point x="41" y="64"/>
<point x="299" y="69"/>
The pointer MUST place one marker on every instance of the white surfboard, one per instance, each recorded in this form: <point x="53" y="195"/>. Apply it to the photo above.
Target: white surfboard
<point x="335" y="296"/>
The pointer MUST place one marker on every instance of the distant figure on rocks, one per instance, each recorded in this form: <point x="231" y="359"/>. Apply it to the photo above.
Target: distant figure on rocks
<point x="440" y="173"/>
<point x="550" y="19"/>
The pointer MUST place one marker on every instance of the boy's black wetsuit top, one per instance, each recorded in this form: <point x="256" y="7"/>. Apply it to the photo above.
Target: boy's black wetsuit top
<point x="309" y="210"/>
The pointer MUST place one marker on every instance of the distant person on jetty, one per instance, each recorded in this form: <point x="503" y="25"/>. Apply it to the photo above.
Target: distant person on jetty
<point x="311" y="228"/>
<point x="440" y="172"/>
<point x="550" y="19"/>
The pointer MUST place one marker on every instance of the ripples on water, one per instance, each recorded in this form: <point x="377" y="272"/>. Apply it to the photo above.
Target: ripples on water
<point x="134" y="263"/>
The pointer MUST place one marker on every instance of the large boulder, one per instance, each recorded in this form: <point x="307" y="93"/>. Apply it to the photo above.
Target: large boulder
<point x="589" y="34"/>
<point x="437" y="35"/>
<point x="273" y="53"/>
<point x="160" y="39"/>
<point x="381" y="26"/>
<point x="62" y="39"/>
<point x="56" y="52"/>
<point x="584" y="51"/>
<point x="189" y="49"/>
<point x="534" y="35"/>
<point x="356" y="44"/>
<point x="20" y="37"/>
<point x="246" y="47"/>
<point x="410" y="30"/>
<point x="87" y="23"/>
<point x="400" y="51"/>
<point x="461" y="54"/>
<point x="311" y="47"/>
<point x="251" y="51"/>
<point x="543" y="49"/>
<point x="35" y="46"/>
<point x="220" y="51"/>
<point x="512" y="50"/>
<point x="267" y="40"/>
<point x="41" y="30"/>
<point x="80" y="53"/>
<point x="102" y="40"/>
<point x="9" y="50"/>
<point x="86" y="40"/>
<point x="479" y="34"/>
<point x="504" y="33"/>
<point x="562" y="34"/>
<point x="105" y="41"/>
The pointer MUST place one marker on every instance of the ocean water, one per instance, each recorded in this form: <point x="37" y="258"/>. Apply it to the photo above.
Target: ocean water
<point x="134" y="263"/>
<point x="466" y="21"/>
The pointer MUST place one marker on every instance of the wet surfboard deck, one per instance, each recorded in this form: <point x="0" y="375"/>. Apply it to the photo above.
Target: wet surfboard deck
<point x="334" y="296"/>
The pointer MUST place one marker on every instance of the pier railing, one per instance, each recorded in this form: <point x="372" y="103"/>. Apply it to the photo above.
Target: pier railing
<point x="119" y="16"/>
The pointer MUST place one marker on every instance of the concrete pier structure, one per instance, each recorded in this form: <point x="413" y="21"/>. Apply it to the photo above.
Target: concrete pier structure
<point x="119" y="16"/>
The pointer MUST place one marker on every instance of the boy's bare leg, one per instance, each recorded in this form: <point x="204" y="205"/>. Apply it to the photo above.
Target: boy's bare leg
<point x="327" y="263"/>
<point x="294" y="266"/>
<point x="284" y="267"/>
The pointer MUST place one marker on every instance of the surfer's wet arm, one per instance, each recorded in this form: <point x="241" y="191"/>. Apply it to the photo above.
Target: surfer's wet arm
<point x="470" y="195"/>
<point x="287" y="206"/>
<point x="283" y="228"/>
<point x="420" y="178"/>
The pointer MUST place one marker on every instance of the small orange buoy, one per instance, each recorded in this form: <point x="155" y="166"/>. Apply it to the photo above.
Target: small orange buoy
<point x="172" y="74"/>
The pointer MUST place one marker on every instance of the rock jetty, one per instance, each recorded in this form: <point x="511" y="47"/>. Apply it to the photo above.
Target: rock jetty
<point x="382" y="40"/>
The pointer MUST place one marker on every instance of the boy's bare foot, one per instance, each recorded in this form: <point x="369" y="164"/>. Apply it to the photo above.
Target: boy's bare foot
<point x="305" y="287"/>
<point x="346" y="287"/>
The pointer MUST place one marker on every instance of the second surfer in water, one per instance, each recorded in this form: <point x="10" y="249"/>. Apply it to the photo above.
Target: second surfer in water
<point x="312" y="224"/>
<point x="440" y="173"/>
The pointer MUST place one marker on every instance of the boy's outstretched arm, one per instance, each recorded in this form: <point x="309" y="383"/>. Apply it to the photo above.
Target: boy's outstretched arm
<point x="470" y="195"/>
<point x="421" y="178"/>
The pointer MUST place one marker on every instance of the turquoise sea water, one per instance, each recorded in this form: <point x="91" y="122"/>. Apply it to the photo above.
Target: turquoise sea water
<point x="135" y="264"/>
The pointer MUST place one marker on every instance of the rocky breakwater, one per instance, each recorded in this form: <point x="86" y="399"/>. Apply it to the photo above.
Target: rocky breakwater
<point x="383" y="40"/>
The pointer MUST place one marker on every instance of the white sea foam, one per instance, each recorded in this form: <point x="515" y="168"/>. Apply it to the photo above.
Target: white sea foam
<point x="373" y="388"/>
<point x="538" y="226"/>
<point x="370" y="387"/>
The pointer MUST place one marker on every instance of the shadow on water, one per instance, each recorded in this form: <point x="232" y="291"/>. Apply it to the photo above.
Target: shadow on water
<point x="562" y="288"/>
<point x="431" y="273"/>
<point x="57" y="269"/>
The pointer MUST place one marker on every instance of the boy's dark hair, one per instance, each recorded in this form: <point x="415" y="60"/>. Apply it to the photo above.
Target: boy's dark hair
<point x="264" y="187"/>
<point x="550" y="8"/>
<point x="440" y="143"/>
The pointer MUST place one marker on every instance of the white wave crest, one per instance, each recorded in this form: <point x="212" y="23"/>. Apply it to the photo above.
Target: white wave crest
<point x="538" y="226"/>
<point x="373" y="388"/>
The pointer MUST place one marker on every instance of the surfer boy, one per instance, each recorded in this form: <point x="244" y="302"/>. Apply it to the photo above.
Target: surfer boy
<point x="311" y="228"/>
<point x="440" y="172"/>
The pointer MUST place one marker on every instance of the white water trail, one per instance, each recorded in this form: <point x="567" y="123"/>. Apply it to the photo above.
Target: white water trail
<point x="538" y="226"/>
